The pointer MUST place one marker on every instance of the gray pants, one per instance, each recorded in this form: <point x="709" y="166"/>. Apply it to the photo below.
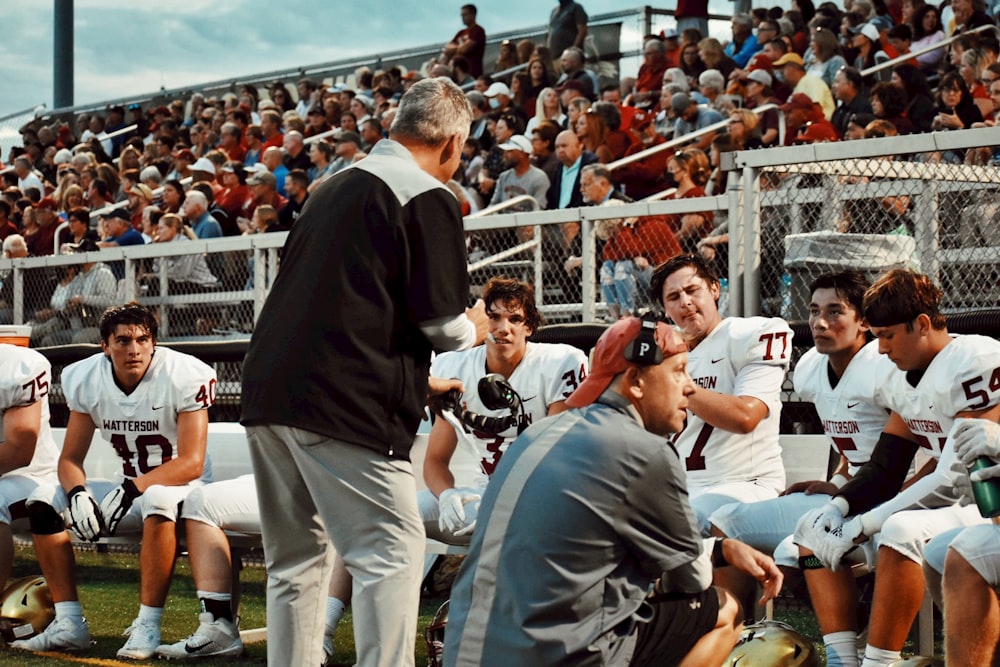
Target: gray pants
<point x="315" y="490"/>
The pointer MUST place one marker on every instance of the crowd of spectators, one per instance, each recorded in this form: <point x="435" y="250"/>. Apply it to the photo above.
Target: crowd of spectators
<point x="214" y="160"/>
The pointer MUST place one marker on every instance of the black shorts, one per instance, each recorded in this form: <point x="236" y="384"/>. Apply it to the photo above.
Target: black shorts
<point x="676" y="626"/>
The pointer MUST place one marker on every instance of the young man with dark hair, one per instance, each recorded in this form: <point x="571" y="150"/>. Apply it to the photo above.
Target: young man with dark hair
<point x="842" y="375"/>
<point x="730" y="443"/>
<point x="151" y="404"/>
<point x="943" y="377"/>
<point x="543" y="375"/>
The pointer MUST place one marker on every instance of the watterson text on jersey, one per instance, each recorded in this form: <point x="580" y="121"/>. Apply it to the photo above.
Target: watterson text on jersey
<point x="707" y="382"/>
<point x="129" y="426"/>
<point x="841" y="427"/>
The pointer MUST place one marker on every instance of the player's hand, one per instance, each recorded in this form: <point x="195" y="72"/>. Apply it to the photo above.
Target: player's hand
<point x="839" y="542"/>
<point x="117" y="504"/>
<point x="973" y="438"/>
<point x="84" y="515"/>
<point x="810" y="488"/>
<point x="479" y="317"/>
<point x="962" y="483"/>
<point x="824" y="518"/>
<point x="451" y="506"/>
<point x="758" y="565"/>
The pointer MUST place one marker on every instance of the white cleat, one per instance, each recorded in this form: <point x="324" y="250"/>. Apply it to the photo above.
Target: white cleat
<point x="143" y="638"/>
<point x="63" y="634"/>
<point x="212" y="639"/>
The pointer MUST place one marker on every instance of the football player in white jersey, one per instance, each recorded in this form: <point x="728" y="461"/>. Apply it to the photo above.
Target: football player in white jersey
<point x="943" y="378"/>
<point x="969" y="558"/>
<point x="543" y="375"/>
<point x="151" y="403"/>
<point x="28" y="453"/>
<point x="841" y="376"/>
<point x="730" y="443"/>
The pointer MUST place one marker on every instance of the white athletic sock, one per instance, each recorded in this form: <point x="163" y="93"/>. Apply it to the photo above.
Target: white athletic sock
<point x="841" y="649"/>
<point x="334" y="612"/>
<point x="153" y="614"/>
<point x="879" y="657"/>
<point x="70" y="609"/>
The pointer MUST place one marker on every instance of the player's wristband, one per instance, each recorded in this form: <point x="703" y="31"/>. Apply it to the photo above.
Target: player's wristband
<point x="838" y="481"/>
<point x="718" y="558"/>
<point x="130" y="489"/>
<point x="75" y="490"/>
<point x="810" y="563"/>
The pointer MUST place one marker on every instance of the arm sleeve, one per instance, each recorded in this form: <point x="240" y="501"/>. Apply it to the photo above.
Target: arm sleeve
<point x="929" y="492"/>
<point x="450" y="333"/>
<point x="882" y="477"/>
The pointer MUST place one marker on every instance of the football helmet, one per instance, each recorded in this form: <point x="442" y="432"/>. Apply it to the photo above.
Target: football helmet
<point x="772" y="644"/>
<point x="434" y="635"/>
<point x="26" y="609"/>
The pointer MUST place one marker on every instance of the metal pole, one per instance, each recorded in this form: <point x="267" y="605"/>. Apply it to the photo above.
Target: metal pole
<point x="62" y="54"/>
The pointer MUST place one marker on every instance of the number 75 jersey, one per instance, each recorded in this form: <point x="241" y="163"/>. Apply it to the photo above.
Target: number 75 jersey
<point x="742" y="356"/>
<point x="141" y="426"/>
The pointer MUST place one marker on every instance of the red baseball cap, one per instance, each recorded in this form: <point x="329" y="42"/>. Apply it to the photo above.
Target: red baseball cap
<point x="814" y="133"/>
<point x="609" y="357"/>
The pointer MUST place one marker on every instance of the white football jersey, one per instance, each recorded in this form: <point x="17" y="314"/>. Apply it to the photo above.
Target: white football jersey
<point x="854" y="412"/>
<point x="548" y="373"/>
<point x="141" y="426"/>
<point x="964" y="376"/>
<point x="740" y="357"/>
<point x="25" y="378"/>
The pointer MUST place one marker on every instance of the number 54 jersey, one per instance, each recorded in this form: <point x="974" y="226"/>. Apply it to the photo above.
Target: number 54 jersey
<point x="742" y="356"/>
<point x="141" y="426"/>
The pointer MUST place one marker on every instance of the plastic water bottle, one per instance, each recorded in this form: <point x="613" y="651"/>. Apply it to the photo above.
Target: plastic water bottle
<point x="987" y="493"/>
<point x="723" y="296"/>
<point x="786" y="295"/>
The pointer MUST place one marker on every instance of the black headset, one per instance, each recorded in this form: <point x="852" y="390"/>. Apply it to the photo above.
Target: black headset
<point x="496" y="394"/>
<point x="644" y="350"/>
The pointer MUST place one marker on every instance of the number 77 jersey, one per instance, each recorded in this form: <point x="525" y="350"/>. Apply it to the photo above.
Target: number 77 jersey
<point x="141" y="426"/>
<point x="740" y="357"/>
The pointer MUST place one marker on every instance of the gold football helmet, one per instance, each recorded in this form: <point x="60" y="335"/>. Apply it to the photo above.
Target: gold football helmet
<point x="434" y="635"/>
<point x="25" y="609"/>
<point x="772" y="644"/>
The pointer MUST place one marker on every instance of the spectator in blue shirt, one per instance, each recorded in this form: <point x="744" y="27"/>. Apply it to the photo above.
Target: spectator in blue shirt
<point x="744" y="43"/>
<point x="195" y="210"/>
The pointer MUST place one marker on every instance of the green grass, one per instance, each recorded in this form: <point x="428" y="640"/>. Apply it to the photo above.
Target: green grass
<point x="109" y="592"/>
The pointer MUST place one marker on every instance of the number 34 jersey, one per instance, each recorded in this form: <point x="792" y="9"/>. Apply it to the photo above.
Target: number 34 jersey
<point x="548" y="373"/>
<point x="740" y="357"/>
<point x="141" y="426"/>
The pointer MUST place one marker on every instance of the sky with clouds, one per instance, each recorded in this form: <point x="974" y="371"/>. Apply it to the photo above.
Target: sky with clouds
<point x="125" y="48"/>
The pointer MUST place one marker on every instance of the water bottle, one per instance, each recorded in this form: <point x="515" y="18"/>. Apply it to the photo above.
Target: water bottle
<point x="987" y="493"/>
<point x="723" y="296"/>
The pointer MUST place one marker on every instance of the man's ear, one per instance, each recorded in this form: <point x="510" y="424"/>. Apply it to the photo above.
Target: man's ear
<point x="632" y="382"/>
<point x="451" y="146"/>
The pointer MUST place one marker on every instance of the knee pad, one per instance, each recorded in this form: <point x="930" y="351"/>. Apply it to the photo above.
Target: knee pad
<point x="44" y="519"/>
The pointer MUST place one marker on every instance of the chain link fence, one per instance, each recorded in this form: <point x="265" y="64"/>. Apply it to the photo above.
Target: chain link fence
<point x="926" y="202"/>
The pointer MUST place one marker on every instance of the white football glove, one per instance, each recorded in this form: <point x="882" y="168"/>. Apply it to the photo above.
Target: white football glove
<point x="962" y="483"/>
<point x="451" y="507"/>
<point x="839" y="542"/>
<point x="117" y="504"/>
<point x="973" y="438"/>
<point x="84" y="515"/>
<point x="823" y="519"/>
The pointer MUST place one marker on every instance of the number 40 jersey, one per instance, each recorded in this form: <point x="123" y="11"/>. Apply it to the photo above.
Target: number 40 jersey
<point x="740" y="357"/>
<point x="141" y="426"/>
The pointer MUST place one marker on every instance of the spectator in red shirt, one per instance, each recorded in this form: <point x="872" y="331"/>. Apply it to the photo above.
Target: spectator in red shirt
<point x="650" y="77"/>
<point x="469" y="42"/>
<point x="270" y="125"/>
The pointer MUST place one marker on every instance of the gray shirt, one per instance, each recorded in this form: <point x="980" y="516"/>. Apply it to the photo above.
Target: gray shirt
<point x="510" y="185"/>
<point x="582" y="514"/>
